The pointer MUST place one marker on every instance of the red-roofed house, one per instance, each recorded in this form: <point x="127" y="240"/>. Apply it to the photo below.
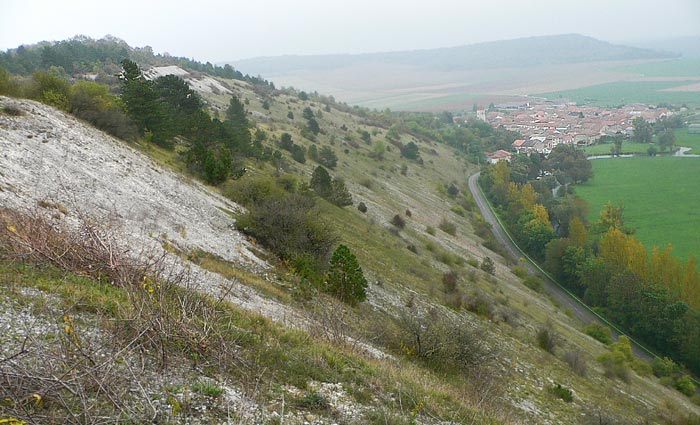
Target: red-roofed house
<point x="499" y="155"/>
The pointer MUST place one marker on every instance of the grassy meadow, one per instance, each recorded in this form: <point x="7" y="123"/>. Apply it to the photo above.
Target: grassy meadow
<point x="659" y="195"/>
<point x="620" y="92"/>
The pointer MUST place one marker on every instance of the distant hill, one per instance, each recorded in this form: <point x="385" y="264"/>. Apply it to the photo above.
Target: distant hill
<point x="531" y="51"/>
<point x="688" y="47"/>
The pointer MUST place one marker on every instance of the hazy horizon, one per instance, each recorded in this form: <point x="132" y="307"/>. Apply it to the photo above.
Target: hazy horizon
<point x="220" y="31"/>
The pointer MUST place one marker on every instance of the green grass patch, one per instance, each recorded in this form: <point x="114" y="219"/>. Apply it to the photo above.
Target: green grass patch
<point x="659" y="195"/>
<point x="682" y="67"/>
<point x="627" y="147"/>
<point x="683" y="138"/>
<point x="621" y="92"/>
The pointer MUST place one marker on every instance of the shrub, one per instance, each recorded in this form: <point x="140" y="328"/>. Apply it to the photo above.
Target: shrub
<point x="488" y="266"/>
<point x="207" y="388"/>
<point x="448" y="227"/>
<point x="449" y="281"/>
<point x="519" y="271"/>
<point x="615" y="365"/>
<point x="443" y="342"/>
<point x="479" y="305"/>
<point x="12" y="111"/>
<point x="452" y="191"/>
<point x="362" y="207"/>
<point x="577" y="361"/>
<point x="599" y="332"/>
<point x="665" y="367"/>
<point x="250" y="191"/>
<point x="398" y="221"/>
<point x="562" y="392"/>
<point x="533" y="282"/>
<point x="616" y="361"/>
<point x="412" y="248"/>
<point x="313" y="401"/>
<point x="546" y="338"/>
<point x="643" y="368"/>
<point x="685" y="385"/>
<point x="430" y="230"/>
<point x="286" y="225"/>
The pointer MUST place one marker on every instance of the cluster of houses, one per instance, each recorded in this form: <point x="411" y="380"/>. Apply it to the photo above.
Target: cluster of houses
<point x="544" y="124"/>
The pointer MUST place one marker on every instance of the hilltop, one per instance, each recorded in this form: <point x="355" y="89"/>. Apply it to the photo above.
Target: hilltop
<point x="193" y="319"/>
<point x="521" y="52"/>
<point x="455" y="78"/>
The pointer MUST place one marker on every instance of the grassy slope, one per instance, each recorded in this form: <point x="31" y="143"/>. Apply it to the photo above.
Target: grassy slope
<point x="385" y="258"/>
<point x="659" y="195"/>
<point x="409" y="279"/>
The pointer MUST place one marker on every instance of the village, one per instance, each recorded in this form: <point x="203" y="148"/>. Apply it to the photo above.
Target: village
<point x="544" y="124"/>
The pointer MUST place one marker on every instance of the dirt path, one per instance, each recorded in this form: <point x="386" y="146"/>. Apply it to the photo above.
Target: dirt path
<point x="566" y="300"/>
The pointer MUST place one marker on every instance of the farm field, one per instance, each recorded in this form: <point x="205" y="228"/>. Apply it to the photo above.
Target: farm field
<point x="682" y="139"/>
<point x="689" y="140"/>
<point x="659" y="195"/>
<point x="627" y="147"/>
<point x="620" y="92"/>
<point x="683" y="67"/>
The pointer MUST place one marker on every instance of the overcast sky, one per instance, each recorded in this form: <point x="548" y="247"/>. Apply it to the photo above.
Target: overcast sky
<point x="210" y="30"/>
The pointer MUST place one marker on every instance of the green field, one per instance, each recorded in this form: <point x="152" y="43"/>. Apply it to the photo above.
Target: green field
<point x="682" y="139"/>
<point x="621" y="92"/>
<point x="627" y="147"/>
<point x="682" y="67"/>
<point x="660" y="196"/>
<point x="689" y="140"/>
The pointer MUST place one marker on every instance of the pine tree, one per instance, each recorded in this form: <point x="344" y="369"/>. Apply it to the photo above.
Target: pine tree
<point x="345" y="277"/>
<point x="321" y="182"/>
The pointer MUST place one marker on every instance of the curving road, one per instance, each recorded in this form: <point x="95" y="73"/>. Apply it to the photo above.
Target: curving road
<point x="565" y="299"/>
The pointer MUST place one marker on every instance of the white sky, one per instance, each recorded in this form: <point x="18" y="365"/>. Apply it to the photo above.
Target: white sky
<point x="211" y="30"/>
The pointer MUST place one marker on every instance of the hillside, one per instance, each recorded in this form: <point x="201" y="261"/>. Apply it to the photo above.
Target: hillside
<point x="232" y="334"/>
<point x="522" y="52"/>
<point x="456" y="78"/>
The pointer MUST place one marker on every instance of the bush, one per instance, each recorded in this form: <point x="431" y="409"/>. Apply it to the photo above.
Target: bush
<point x="250" y="191"/>
<point x="12" y="111"/>
<point x="449" y="281"/>
<point x="488" y="266"/>
<point x="313" y="401"/>
<point x="617" y="361"/>
<point x="430" y="230"/>
<point x="533" y="282"/>
<point x="685" y="385"/>
<point x="286" y="224"/>
<point x="599" y="332"/>
<point x="362" y="207"/>
<point x="562" y="393"/>
<point x="443" y="343"/>
<point x="521" y="272"/>
<point x="615" y="365"/>
<point x="546" y="338"/>
<point x="665" y="367"/>
<point x="207" y="388"/>
<point x="577" y="361"/>
<point x="448" y="227"/>
<point x="398" y="221"/>
<point x="642" y="367"/>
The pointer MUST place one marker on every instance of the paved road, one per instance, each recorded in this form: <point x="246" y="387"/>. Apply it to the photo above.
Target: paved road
<point x="564" y="299"/>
